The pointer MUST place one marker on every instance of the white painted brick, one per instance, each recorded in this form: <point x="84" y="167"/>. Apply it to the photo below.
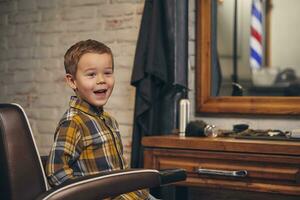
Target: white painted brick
<point x="58" y="51"/>
<point x="47" y="88"/>
<point x="124" y="118"/>
<point x="87" y="2"/>
<point x="42" y="75"/>
<point x="125" y="35"/>
<point x="66" y="90"/>
<point x="46" y="141"/>
<point x="3" y="43"/>
<point x="23" y="64"/>
<point x="126" y="142"/>
<point x="122" y="75"/>
<point x="97" y="34"/>
<point x="50" y="101"/>
<point x="20" y="53"/>
<point x="123" y="62"/>
<point x="191" y="49"/>
<point x="42" y="52"/>
<point x="68" y="39"/>
<point x="27" y="5"/>
<point x="3" y="19"/>
<point x="192" y="33"/>
<point x="64" y="3"/>
<point x="126" y="130"/>
<point x="24" y="28"/>
<point x="192" y="6"/>
<point x="7" y="30"/>
<point x="51" y="15"/>
<point x="120" y="23"/>
<point x="5" y="77"/>
<point x="8" y="6"/>
<point x="3" y="66"/>
<point x="51" y="63"/>
<point x="111" y="10"/>
<point x="32" y="113"/>
<point x="124" y="49"/>
<point x="3" y="55"/>
<point x="23" y="41"/>
<point x="59" y="79"/>
<point x="192" y="19"/>
<point x="26" y="17"/>
<point x="84" y="25"/>
<point x="49" y="39"/>
<point x="192" y="62"/>
<point x="75" y="13"/>
<point x="44" y="150"/>
<point x="50" y="27"/>
<point x="27" y="88"/>
<point x="23" y="76"/>
<point x="2" y="90"/>
<point x="46" y="126"/>
<point x="122" y="89"/>
<point x="120" y="102"/>
<point x="4" y="98"/>
<point x="126" y="1"/>
<point x="46" y="4"/>
<point x="49" y="114"/>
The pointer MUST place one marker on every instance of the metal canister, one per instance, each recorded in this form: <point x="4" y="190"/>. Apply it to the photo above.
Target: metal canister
<point x="184" y="115"/>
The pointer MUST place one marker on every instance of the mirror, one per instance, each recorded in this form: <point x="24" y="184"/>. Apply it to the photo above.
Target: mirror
<point x="207" y="99"/>
<point x="249" y="40"/>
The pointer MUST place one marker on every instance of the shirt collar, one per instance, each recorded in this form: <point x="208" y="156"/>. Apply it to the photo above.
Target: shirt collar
<point x="80" y="104"/>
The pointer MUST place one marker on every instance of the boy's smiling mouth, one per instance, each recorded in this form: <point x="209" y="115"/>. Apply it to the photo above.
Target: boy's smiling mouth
<point x="101" y="91"/>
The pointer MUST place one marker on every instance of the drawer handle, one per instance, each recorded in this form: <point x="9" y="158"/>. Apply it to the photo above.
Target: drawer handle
<point x="240" y="173"/>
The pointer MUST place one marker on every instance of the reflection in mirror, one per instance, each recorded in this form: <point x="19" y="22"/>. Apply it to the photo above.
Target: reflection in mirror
<point x="208" y="74"/>
<point x="255" y="48"/>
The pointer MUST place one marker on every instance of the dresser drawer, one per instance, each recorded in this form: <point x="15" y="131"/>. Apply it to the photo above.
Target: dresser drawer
<point x="233" y="170"/>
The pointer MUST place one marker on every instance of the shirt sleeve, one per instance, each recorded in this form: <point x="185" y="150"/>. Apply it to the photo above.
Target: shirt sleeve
<point x="65" y="151"/>
<point x="139" y="194"/>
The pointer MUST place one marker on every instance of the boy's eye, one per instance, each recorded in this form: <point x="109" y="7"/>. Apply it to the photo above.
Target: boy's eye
<point x="91" y="74"/>
<point x="108" y="73"/>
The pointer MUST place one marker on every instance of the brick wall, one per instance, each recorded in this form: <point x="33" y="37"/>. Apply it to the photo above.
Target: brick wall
<point x="34" y="35"/>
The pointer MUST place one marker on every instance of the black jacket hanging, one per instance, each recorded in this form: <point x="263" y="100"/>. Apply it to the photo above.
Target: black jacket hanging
<point x="159" y="76"/>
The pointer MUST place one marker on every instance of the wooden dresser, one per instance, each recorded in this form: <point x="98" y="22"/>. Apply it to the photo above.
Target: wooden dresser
<point x="262" y="166"/>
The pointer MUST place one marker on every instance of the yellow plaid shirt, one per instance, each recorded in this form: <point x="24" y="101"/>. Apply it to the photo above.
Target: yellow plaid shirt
<point x="87" y="141"/>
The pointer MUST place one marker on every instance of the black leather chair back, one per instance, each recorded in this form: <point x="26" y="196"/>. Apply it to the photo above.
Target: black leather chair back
<point x="21" y="173"/>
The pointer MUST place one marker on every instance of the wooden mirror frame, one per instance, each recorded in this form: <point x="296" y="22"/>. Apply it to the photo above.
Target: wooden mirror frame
<point x="205" y="103"/>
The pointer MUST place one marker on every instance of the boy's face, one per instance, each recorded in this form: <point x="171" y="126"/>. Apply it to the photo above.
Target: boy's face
<point x="94" y="79"/>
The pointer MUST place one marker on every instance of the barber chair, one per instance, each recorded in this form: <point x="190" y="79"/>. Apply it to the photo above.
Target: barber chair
<point x="22" y="175"/>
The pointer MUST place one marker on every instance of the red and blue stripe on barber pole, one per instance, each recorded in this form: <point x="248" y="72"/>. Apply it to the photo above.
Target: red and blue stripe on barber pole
<point x="256" y="37"/>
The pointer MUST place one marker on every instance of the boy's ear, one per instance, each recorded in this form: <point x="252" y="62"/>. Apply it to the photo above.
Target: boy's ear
<point x="70" y="81"/>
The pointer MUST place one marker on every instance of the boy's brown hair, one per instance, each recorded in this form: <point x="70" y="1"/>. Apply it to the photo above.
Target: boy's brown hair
<point x="75" y="52"/>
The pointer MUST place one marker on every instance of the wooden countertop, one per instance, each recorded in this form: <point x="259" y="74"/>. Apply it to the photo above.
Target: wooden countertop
<point x="224" y="144"/>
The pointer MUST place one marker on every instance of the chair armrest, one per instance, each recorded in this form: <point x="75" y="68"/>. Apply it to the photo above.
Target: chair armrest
<point x="168" y="176"/>
<point x="104" y="185"/>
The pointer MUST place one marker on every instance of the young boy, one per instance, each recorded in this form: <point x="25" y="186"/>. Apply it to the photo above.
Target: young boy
<point x="87" y="139"/>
